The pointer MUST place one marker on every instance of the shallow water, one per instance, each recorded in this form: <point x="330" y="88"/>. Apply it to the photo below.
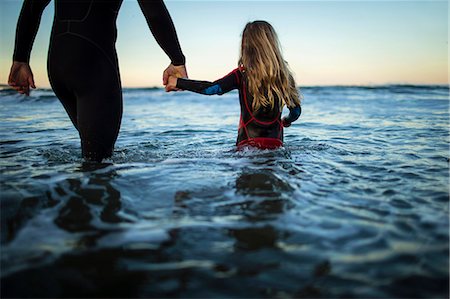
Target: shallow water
<point x="355" y="205"/>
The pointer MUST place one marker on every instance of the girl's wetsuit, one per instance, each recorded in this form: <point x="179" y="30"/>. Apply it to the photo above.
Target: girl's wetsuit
<point x="262" y="128"/>
<point x="82" y="61"/>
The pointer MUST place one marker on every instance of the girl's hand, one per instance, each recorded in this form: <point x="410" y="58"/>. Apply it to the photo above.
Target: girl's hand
<point x="21" y="77"/>
<point x="178" y="71"/>
<point x="171" y="84"/>
<point x="285" y="123"/>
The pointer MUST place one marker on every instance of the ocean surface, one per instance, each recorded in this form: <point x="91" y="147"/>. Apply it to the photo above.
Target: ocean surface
<point x="356" y="205"/>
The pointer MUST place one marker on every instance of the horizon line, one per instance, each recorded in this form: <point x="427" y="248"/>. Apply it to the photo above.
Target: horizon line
<point x="3" y="85"/>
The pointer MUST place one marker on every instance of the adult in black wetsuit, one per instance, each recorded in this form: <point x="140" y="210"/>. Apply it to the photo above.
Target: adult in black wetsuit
<point x="82" y="62"/>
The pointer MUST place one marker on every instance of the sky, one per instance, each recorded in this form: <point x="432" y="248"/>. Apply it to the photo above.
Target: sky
<point x="324" y="42"/>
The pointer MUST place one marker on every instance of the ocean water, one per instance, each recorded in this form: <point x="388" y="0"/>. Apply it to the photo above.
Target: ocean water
<point x="355" y="205"/>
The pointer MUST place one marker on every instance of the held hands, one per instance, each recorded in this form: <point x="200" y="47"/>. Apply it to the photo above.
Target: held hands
<point x="171" y="83"/>
<point x="21" y="77"/>
<point x="173" y="72"/>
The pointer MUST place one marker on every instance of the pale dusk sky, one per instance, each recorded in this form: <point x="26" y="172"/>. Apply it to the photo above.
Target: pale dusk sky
<point x="324" y="42"/>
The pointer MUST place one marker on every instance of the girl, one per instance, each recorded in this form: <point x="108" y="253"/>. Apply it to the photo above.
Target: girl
<point x="265" y="85"/>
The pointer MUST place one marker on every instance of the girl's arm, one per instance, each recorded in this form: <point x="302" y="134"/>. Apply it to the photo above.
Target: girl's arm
<point x="294" y="114"/>
<point x="221" y="86"/>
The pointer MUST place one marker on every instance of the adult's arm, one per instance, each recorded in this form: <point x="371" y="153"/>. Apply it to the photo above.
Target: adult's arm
<point x="27" y="27"/>
<point x="21" y="77"/>
<point x="162" y="28"/>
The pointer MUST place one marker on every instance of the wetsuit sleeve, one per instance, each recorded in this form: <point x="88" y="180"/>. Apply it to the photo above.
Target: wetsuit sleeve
<point x="221" y="86"/>
<point x="294" y="114"/>
<point x="161" y="25"/>
<point x="27" y="27"/>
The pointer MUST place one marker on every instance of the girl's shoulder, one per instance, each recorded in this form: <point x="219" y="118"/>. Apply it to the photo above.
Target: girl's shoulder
<point x="237" y="73"/>
<point x="240" y="72"/>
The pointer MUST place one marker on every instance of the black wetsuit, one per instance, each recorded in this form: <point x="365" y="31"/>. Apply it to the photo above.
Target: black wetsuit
<point x="82" y="61"/>
<point x="262" y="128"/>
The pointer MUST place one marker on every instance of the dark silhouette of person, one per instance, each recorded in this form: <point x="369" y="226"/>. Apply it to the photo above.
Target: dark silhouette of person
<point x="82" y="63"/>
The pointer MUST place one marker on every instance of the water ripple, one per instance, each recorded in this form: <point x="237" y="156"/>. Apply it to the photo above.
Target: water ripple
<point x="354" y="205"/>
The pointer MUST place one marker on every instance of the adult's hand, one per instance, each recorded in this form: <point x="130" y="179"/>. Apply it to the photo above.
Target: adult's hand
<point x="178" y="71"/>
<point x="21" y="77"/>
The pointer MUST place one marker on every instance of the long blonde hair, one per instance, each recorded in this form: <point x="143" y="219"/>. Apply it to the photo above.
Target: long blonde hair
<point x="267" y="73"/>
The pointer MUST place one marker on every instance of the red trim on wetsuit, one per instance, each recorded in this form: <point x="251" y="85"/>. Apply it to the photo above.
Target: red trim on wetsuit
<point x="232" y="72"/>
<point x="259" y="142"/>
<point x="235" y="71"/>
